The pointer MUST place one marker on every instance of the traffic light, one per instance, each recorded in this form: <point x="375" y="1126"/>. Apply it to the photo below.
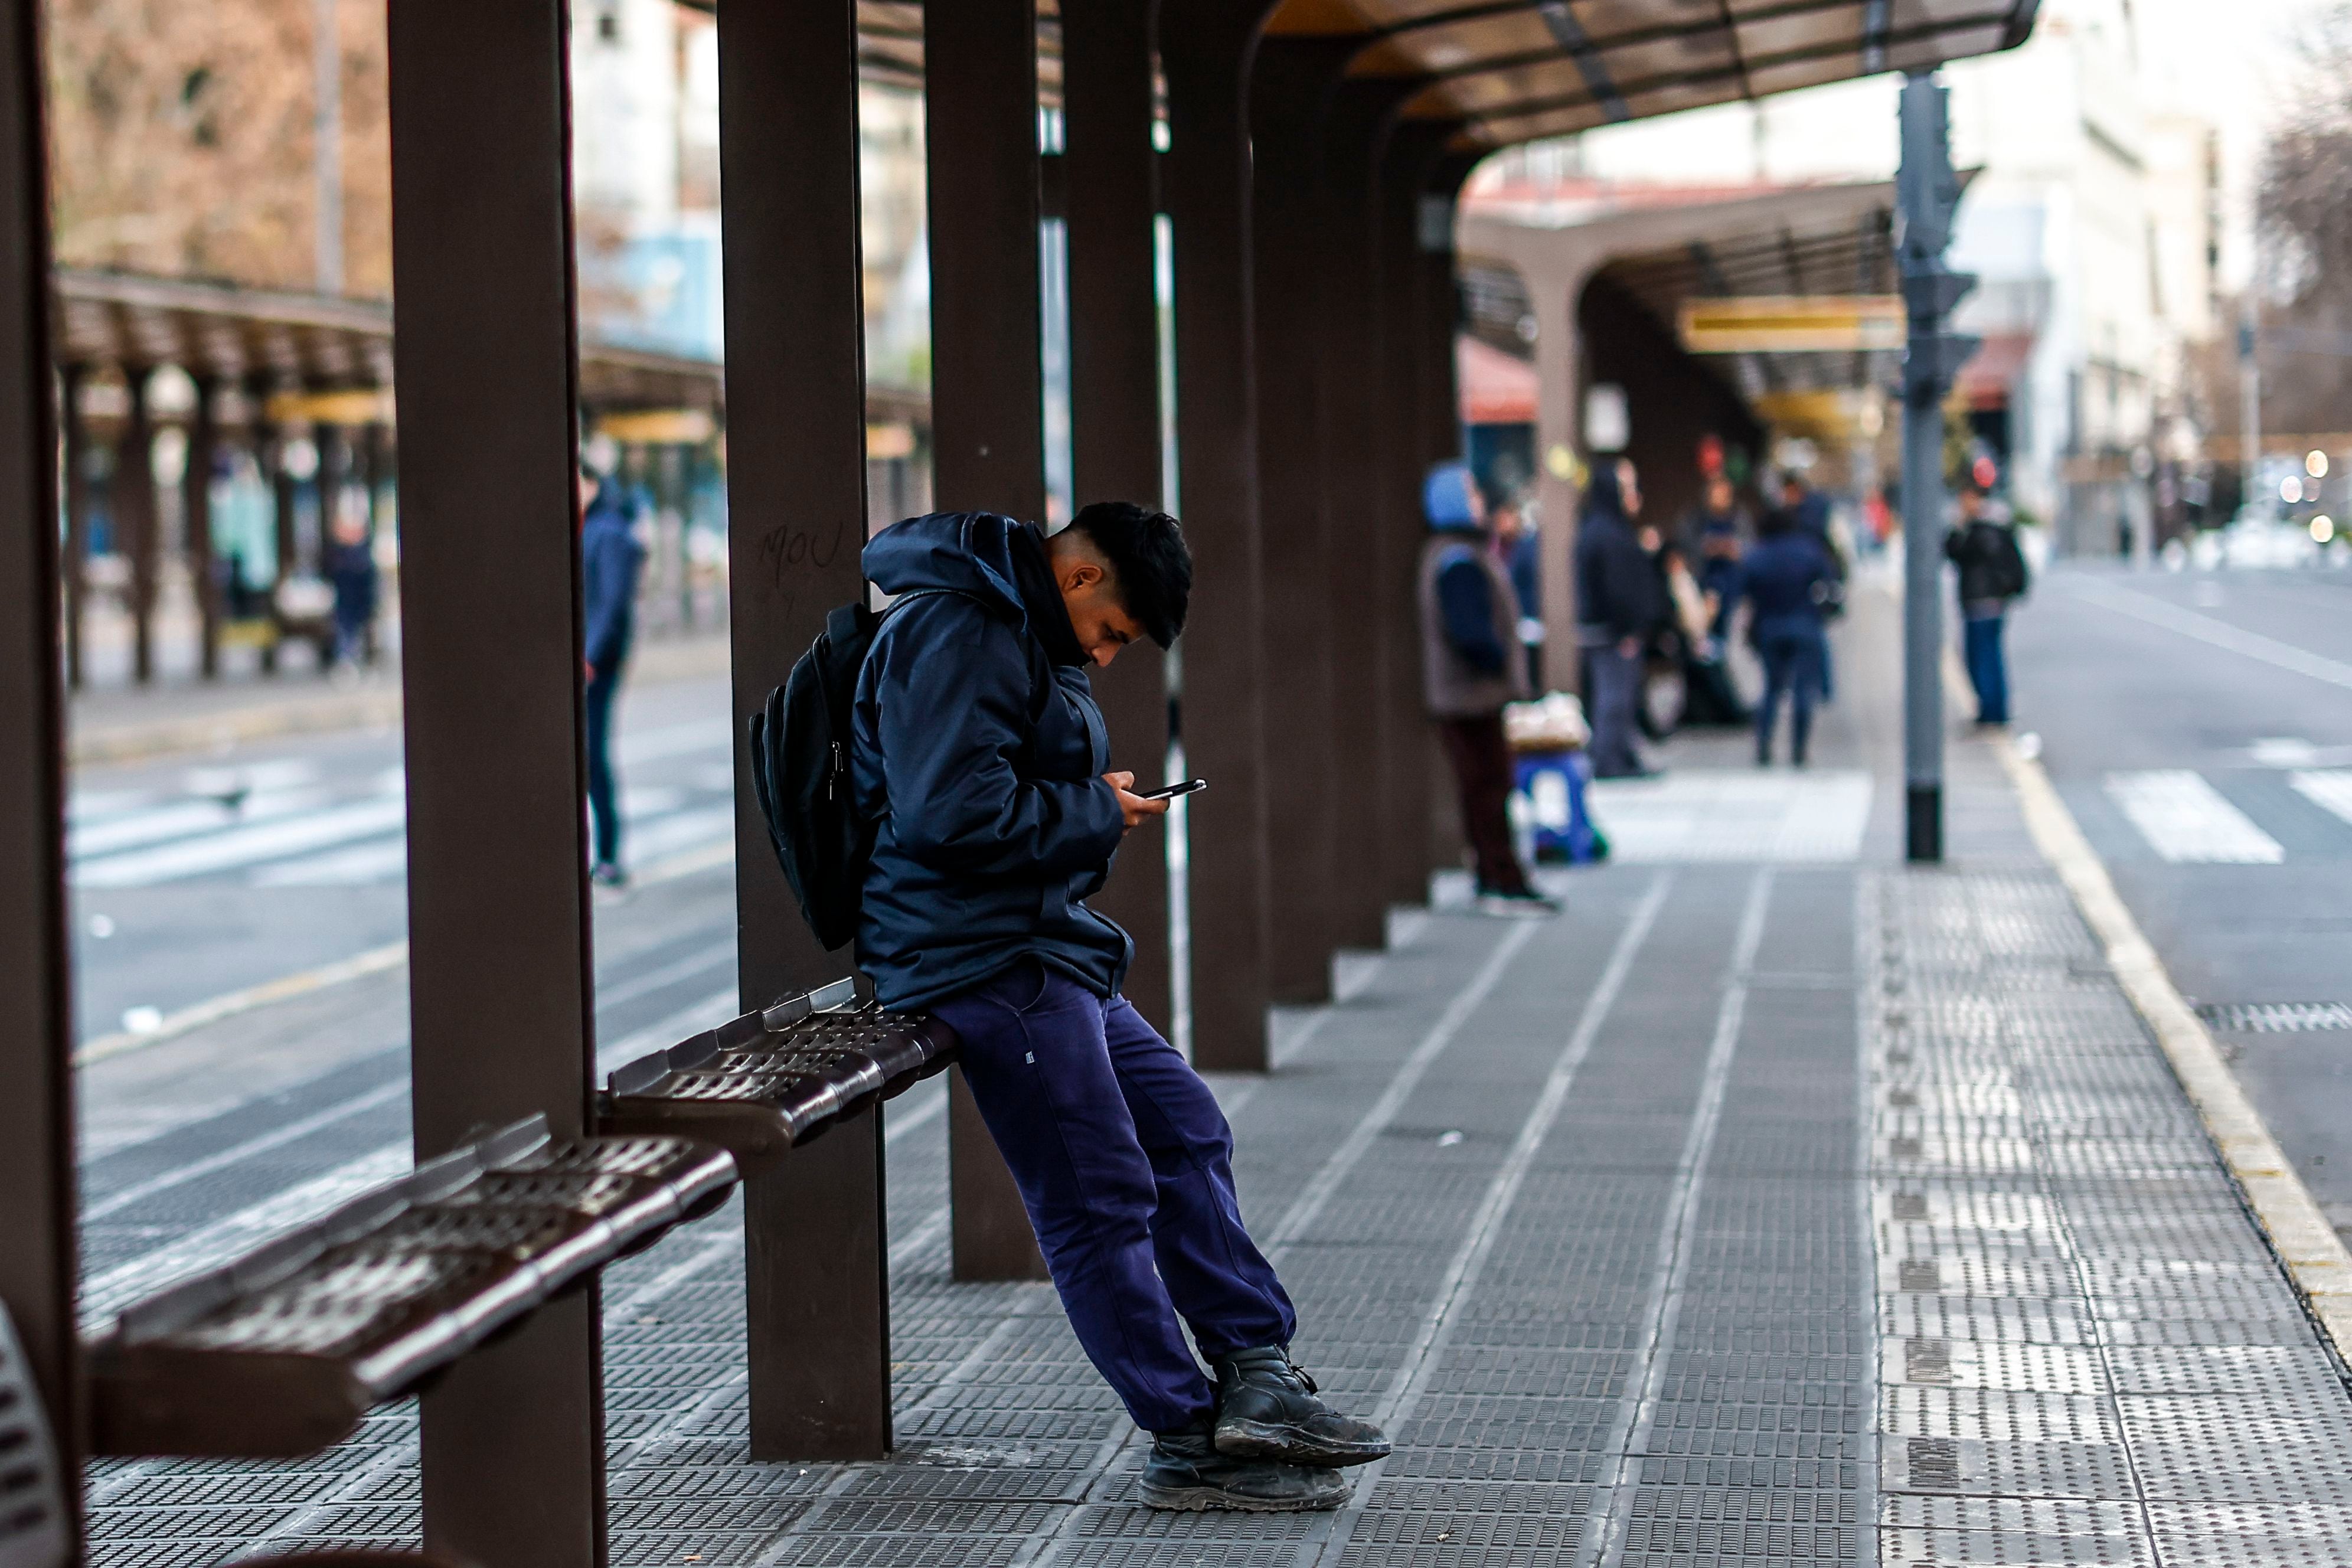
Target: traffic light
<point x="1926" y="195"/>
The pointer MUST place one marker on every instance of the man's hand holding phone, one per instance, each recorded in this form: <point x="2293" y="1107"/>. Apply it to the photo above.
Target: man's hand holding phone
<point x="1131" y="805"/>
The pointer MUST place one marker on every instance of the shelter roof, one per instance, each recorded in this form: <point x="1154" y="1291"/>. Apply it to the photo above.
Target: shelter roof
<point x="1666" y="245"/>
<point x="317" y="342"/>
<point x="1515" y="70"/>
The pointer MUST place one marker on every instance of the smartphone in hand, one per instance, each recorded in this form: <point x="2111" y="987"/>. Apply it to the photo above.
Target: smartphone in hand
<point x="1170" y="792"/>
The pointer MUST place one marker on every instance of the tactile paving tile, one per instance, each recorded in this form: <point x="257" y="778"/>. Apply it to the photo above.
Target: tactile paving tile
<point x="2061" y="1333"/>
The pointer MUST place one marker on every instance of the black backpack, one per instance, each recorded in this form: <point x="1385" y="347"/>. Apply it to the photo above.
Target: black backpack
<point x="800" y="771"/>
<point x="2007" y="565"/>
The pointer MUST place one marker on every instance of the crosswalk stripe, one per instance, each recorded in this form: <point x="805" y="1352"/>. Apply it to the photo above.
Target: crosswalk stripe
<point x="185" y="819"/>
<point x="2189" y="822"/>
<point x="242" y="846"/>
<point x="2330" y="789"/>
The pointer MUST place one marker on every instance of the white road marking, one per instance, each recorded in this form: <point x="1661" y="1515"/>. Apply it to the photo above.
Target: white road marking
<point x="2188" y="822"/>
<point x="185" y="819"/>
<point x="2330" y="789"/>
<point x="242" y="846"/>
<point x="1728" y="813"/>
<point x="2216" y="633"/>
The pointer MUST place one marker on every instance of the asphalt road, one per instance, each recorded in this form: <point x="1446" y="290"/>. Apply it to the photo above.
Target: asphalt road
<point x="195" y="877"/>
<point x="2198" y="724"/>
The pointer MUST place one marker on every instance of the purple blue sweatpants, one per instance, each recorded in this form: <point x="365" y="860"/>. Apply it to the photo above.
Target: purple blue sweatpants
<point x="1125" y="1164"/>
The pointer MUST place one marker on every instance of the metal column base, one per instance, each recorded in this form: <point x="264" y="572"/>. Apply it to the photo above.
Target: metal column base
<point x="993" y="1240"/>
<point x="1924" y="823"/>
<point x="817" y="1268"/>
<point x="513" y="1446"/>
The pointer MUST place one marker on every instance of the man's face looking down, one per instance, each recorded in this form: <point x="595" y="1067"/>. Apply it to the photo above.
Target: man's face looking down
<point x="1090" y="594"/>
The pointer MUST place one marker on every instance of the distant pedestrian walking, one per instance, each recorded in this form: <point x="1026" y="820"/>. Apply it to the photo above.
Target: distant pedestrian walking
<point x="1621" y="602"/>
<point x="1992" y="573"/>
<point x="1786" y="578"/>
<point x="610" y="559"/>
<point x="350" y="566"/>
<point x="1471" y="664"/>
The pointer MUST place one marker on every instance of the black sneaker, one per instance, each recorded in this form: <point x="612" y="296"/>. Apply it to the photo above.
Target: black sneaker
<point x="1185" y="1472"/>
<point x="1266" y="1409"/>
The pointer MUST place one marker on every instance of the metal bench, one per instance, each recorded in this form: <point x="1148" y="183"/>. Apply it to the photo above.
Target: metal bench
<point x="771" y="1080"/>
<point x="280" y="1352"/>
<point x="816" y="1294"/>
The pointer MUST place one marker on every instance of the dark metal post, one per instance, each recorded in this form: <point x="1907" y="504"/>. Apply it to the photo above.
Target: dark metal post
<point x="38" y="1263"/>
<point x="1106" y="91"/>
<point x="1363" y="626"/>
<point x="1204" y="51"/>
<point x="1407" y="765"/>
<point x="987" y="419"/>
<point x="1435" y="315"/>
<point x="816" y="1254"/>
<point x="197" y="490"/>
<point x="501" y="981"/>
<point x="1926" y="192"/>
<point x="135" y="529"/>
<point x="72" y="382"/>
<point x="271" y="451"/>
<point x="1289" y="82"/>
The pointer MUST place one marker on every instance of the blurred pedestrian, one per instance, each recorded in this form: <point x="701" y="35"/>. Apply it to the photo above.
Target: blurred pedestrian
<point x="1714" y="528"/>
<point x="1992" y="573"/>
<point x="1808" y="511"/>
<point x="610" y="559"/>
<point x="1471" y="665"/>
<point x="1708" y="695"/>
<point x="1513" y="525"/>
<point x="350" y="567"/>
<point x="1620" y="603"/>
<point x="1785" y="578"/>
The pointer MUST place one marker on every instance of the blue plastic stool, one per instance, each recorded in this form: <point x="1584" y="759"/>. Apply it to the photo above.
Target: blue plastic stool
<point x="1552" y="802"/>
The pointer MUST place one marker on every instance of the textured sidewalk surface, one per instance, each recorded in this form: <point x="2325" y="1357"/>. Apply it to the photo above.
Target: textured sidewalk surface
<point x="1798" y="1208"/>
<point x="1744" y="1213"/>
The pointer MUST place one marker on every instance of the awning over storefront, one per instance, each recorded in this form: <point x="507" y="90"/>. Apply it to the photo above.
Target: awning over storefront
<point x="1497" y="388"/>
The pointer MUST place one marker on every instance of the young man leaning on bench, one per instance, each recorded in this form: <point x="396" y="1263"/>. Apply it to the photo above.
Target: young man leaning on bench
<point x="981" y="761"/>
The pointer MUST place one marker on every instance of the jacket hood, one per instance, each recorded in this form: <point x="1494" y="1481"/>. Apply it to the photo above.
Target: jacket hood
<point x="1446" y="497"/>
<point x="968" y="553"/>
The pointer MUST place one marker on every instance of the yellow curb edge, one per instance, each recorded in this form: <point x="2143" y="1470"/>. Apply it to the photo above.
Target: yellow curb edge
<point x="2314" y="1254"/>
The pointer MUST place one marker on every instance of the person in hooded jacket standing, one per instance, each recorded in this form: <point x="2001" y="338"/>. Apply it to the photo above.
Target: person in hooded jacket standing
<point x="1621" y="601"/>
<point x="1992" y="573"/>
<point x="1472" y="665"/>
<point x="979" y="754"/>
<point x="610" y="559"/>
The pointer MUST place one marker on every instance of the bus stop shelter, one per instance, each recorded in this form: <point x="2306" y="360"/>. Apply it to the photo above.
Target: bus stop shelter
<point x="1314" y="151"/>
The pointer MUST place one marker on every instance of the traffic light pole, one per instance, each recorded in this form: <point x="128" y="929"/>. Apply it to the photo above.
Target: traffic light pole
<point x="1926" y="192"/>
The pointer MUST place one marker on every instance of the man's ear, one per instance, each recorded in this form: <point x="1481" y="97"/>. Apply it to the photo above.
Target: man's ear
<point x="1078" y="573"/>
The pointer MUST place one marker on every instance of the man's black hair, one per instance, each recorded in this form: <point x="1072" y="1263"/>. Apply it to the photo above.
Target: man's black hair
<point x="1149" y="559"/>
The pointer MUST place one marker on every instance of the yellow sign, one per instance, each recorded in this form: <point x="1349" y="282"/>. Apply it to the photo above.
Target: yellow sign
<point x="355" y="406"/>
<point x="659" y="428"/>
<point x="1833" y="413"/>
<point x="1792" y="323"/>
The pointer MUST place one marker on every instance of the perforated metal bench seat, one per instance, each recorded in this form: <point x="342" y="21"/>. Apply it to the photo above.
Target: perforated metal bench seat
<point x="280" y="1352"/>
<point x="769" y="1081"/>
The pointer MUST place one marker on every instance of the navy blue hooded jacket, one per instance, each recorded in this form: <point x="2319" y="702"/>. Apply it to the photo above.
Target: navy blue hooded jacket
<point x="1620" y="593"/>
<point x="1782" y="577"/>
<point x="979" y="755"/>
<point x="610" y="557"/>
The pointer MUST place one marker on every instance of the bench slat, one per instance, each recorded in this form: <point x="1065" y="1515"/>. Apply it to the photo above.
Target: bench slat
<point x="770" y="1080"/>
<point x="280" y="1352"/>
